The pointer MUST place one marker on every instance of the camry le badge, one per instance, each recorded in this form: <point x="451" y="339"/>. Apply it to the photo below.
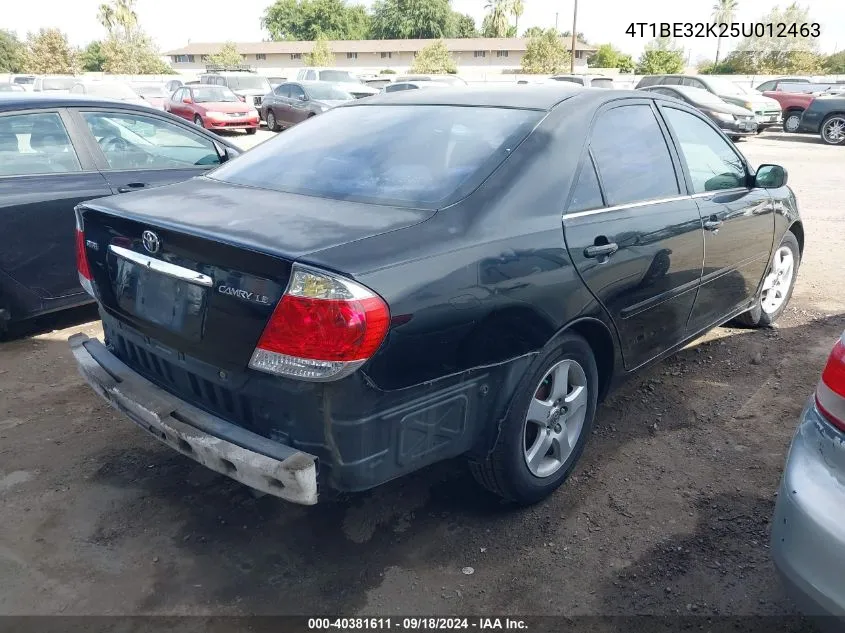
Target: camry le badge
<point x="151" y="241"/>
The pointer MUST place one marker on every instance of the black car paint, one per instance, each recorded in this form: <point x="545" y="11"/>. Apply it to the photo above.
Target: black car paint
<point x="475" y="290"/>
<point x="732" y="128"/>
<point x="37" y="250"/>
<point x="819" y="109"/>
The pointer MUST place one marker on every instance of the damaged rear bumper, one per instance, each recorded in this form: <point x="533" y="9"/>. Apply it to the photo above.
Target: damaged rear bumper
<point x="251" y="459"/>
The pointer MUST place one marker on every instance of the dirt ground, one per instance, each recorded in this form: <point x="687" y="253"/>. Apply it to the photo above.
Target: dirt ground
<point x="667" y="513"/>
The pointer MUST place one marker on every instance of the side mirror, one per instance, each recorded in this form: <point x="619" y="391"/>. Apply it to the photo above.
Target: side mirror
<point x="770" y="177"/>
<point x="186" y="100"/>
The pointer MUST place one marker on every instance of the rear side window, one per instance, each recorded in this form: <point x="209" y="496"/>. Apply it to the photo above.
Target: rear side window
<point x="35" y="144"/>
<point x="409" y="155"/>
<point x="632" y="156"/>
<point x="587" y="193"/>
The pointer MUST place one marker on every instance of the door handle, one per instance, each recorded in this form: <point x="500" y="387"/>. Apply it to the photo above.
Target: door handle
<point x="131" y="186"/>
<point x="712" y="224"/>
<point x="601" y="250"/>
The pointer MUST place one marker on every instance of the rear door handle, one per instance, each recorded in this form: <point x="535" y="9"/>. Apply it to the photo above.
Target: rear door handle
<point x="712" y="224"/>
<point x="601" y="250"/>
<point x="131" y="186"/>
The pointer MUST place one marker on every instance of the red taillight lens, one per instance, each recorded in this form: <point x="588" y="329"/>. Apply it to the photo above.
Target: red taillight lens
<point x="830" y="394"/>
<point x="82" y="256"/>
<point x="323" y="328"/>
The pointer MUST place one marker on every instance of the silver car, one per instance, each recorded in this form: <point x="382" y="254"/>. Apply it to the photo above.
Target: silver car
<point x="808" y="528"/>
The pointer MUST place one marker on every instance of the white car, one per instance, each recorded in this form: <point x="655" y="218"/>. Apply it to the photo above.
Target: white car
<point x="413" y="85"/>
<point x="118" y="90"/>
<point x="26" y="81"/>
<point x="343" y="79"/>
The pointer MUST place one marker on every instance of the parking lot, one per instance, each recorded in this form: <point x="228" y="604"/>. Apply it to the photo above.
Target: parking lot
<point x="668" y="512"/>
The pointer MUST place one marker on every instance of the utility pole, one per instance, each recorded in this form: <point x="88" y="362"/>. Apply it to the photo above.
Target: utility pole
<point x="556" y="21"/>
<point x="574" y="30"/>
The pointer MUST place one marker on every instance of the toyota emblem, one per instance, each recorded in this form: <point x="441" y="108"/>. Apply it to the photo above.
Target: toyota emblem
<point x="151" y="241"/>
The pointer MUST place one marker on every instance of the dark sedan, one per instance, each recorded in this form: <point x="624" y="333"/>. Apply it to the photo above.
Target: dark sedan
<point x="294" y="101"/>
<point x="732" y="119"/>
<point x="404" y="280"/>
<point x="825" y="116"/>
<point x="57" y="150"/>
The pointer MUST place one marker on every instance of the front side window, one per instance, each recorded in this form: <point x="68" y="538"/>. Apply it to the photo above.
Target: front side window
<point x="137" y="141"/>
<point x="712" y="163"/>
<point x="404" y="155"/>
<point x="632" y="156"/>
<point x="177" y="96"/>
<point x="35" y="144"/>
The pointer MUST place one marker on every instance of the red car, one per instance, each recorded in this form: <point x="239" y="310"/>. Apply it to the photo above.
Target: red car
<point x="793" y="105"/>
<point x="214" y="108"/>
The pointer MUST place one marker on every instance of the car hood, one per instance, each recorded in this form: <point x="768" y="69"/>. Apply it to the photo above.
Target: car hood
<point x="251" y="92"/>
<point x="759" y="102"/>
<point x="226" y="106"/>
<point x="728" y="108"/>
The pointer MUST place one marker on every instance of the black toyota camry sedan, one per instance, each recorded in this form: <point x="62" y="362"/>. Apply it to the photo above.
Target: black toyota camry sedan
<point x="57" y="150"/>
<point x="428" y="274"/>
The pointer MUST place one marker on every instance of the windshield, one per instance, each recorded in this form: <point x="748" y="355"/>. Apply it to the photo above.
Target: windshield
<point x="57" y="83"/>
<point x="724" y="86"/>
<point x="248" y="82"/>
<point x="417" y="156"/>
<point x="111" y="91"/>
<point x="339" y="75"/>
<point x="214" y="94"/>
<point x="328" y="93"/>
<point x="154" y="91"/>
<point x="602" y="82"/>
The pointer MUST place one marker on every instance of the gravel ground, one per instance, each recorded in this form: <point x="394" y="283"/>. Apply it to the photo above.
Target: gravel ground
<point x="667" y="513"/>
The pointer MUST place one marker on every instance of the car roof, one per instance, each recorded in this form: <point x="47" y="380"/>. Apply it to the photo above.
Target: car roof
<point x="526" y="96"/>
<point x="32" y="101"/>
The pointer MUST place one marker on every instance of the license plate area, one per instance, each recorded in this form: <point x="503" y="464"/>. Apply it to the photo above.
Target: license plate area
<point x="173" y="304"/>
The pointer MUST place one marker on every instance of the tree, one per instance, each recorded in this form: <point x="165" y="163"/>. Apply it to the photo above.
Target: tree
<point x="661" y="57"/>
<point x="321" y="55"/>
<point x="434" y="59"/>
<point x="835" y="64"/>
<point x="545" y="54"/>
<point x="723" y="13"/>
<point x="463" y="25"/>
<point x="127" y="50"/>
<point x="418" y="19"/>
<point x="517" y="9"/>
<point x="609" y="57"/>
<point x="311" y="19"/>
<point x="11" y="52"/>
<point x="533" y="31"/>
<point x="48" y="53"/>
<point x="496" y="23"/>
<point x="228" y="55"/>
<point x="91" y="58"/>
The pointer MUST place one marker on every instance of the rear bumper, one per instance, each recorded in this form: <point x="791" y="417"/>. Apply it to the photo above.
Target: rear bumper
<point x="808" y="534"/>
<point x="251" y="459"/>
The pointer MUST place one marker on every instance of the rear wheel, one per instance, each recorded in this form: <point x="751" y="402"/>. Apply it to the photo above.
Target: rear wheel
<point x="272" y="124"/>
<point x="777" y="285"/>
<point x="791" y="121"/>
<point x="198" y="120"/>
<point x="833" y="129"/>
<point x="547" y="426"/>
<point x="251" y="130"/>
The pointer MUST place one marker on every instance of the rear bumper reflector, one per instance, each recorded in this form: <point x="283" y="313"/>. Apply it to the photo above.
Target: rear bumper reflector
<point x="290" y="474"/>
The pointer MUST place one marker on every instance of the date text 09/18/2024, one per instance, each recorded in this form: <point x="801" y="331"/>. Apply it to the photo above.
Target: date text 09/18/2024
<point x="417" y="624"/>
<point x="724" y="29"/>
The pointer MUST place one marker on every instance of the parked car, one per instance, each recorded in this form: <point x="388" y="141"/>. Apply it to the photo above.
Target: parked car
<point x="398" y="86"/>
<point x="276" y="81"/>
<point x="116" y="90"/>
<point x="344" y="79"/>
<point x="808" y="534"/>
<point x="815" y="88"/>
<point x="766" y="111"/>
<point x="23" y="80"/>
<point x="378" y="84"/>
<point x="588" y="81"/>
<point x="732" y="119"/>
<point x="294" y="101"/>
<point x="154" y="93"/>
<point x="172" y="85"/>
<point x="792" y="105"/>
<point x="825" y="116"/>
<point x="57" y="150"/>
<point x="249" y="87"/>
<point x="452" y="80"/>
<point x="54" y="83"/>
<point x="272" y="306"/>
<point x="214" y="108"/>
<point x="774" y="84"/>
<point x="12" y="88"/>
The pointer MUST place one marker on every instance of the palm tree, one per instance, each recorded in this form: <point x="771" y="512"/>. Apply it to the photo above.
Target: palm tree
<point x="496" y="22"/>
<point x="517" y="9"/>
<point x="723" y="13"/>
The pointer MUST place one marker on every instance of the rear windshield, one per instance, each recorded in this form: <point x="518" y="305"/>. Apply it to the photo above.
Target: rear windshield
<point x="58" y="83"/>
<point x="602" y="83"/>
<point x="406" y="155"/>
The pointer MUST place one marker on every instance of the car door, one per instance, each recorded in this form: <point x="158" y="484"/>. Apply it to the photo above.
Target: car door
<point x="281" y="104"/>
<point x="135" y="150"/>
<point x="739" y="221"/>
<point x="43" y="175"/>
<point x="175" y="104"/>
<point x="297" y="104"/>
<point x="634" y="236"/>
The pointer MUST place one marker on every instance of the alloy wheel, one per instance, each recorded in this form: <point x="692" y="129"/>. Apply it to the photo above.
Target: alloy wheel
<point x="834" y="130"/>
<point x="777" y="283"/>
<point x="555" y="418"/>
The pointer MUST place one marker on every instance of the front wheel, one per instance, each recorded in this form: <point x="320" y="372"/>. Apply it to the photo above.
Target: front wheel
<point x="272" y="124"/>
<point x="833" y="129"/>
<point x="791" y="122"/>
<point x="198" y="120"/>
<point x="549" y="421"/>
<point x="777" y="285"/>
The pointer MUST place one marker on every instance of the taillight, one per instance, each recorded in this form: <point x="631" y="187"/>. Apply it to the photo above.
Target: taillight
<point x="830" y="394"/>
<point x="323" y="328"/>
<point x="82" y="267"/>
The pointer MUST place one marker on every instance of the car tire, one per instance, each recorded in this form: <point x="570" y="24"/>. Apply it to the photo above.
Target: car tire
<point x="515" y="469"/>
<point x="251" y="130"/>
<point x="198" y="120"/>
<point x="776" y="289"/>
<point x="735" y="139"/>
<point x="832" y="130"/>
<point x="791" y="121"/>
<point x="272" y="123"/>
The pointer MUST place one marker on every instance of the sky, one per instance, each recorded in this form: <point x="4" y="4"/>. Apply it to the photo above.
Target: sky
<point x="172" y="24"/>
